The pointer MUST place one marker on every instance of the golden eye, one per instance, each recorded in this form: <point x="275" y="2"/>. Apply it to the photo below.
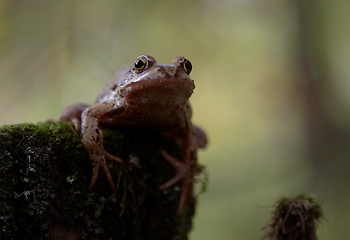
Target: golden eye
<point x="187" y="66"/>
<point x="141" y="64"/>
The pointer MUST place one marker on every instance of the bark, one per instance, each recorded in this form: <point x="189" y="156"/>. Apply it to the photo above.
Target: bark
<point x="45" y="172"/>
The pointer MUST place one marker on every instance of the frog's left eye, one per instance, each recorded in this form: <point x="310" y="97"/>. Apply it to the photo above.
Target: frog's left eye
<point x="187" y="66"/>
<point x="141" y="64"/>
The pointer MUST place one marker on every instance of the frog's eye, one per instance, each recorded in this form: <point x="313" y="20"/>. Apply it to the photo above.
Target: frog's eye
<point x="141" y="64"/>
<point x="187" y="66"/>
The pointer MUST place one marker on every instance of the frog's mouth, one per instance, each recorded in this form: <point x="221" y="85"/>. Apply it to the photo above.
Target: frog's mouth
<point x="158" y="92"/>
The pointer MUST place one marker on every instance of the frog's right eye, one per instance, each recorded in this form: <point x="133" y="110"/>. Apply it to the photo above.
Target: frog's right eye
<point x="141" y="64"/>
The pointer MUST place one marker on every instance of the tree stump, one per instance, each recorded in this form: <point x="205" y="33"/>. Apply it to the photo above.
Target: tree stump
<point x="44" y="179"/>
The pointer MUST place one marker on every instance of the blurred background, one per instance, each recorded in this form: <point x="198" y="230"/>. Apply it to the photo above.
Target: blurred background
<point x="272" y="80"/>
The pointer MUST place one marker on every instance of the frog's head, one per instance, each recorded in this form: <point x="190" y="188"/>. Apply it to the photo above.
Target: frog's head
<point x="160" y="85"/>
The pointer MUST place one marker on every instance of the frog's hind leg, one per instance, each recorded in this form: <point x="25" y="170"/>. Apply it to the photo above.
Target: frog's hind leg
<point x="179" y="167"/>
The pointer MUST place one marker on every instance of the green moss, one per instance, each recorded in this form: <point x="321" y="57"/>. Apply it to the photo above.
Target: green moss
<point x="44" y="174"/>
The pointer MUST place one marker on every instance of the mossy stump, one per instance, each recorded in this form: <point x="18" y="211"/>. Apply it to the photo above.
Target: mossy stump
<point x="45" y="172"/>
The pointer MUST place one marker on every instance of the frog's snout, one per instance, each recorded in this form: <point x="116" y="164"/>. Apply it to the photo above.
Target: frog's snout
<point x="170" y="70"/>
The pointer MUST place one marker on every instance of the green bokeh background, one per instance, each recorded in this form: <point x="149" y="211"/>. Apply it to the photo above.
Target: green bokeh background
<point x="249" y="94"/>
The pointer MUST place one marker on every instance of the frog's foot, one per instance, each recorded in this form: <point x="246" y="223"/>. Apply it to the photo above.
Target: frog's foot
<point x="185" y="173"/>
<point x="100" y="163"/>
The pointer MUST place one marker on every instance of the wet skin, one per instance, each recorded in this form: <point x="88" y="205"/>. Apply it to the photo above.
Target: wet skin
<point x="147" y="96"/>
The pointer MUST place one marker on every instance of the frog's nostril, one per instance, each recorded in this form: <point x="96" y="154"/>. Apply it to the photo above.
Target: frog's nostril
<point x="170" y="70"/>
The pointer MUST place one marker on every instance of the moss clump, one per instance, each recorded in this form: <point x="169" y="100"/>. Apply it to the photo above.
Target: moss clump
<point x="44" y="174"/>
<point x="295" y="218"/>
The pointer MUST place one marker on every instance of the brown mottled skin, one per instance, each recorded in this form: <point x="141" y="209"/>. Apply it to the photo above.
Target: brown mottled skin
<point x="148" y="96"/>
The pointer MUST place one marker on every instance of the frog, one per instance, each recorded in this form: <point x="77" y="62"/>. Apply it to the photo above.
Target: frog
<point x="150" y="96"/>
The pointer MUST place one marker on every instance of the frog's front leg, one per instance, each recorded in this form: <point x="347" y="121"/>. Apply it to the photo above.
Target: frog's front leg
<point x="92" y="139"/>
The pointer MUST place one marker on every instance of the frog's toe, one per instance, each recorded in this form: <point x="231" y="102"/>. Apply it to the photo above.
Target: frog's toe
<point x="108" y="175"/>
<point x="186" y="191"/>
<point x="96" y="166"/>
<point x="184" y="176"/>
<point x="113" y="158"/>
<point x="77" y="124"/>
<point x="171" y="182"/>
<point x="76" y="128"/>
<point x="180" y="168"/>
